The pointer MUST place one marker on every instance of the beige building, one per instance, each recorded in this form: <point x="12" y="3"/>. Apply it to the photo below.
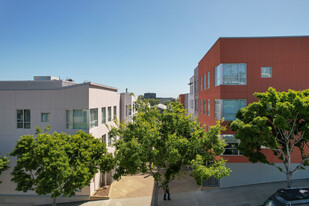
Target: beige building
<point x="127" y="104"/>
<point x="66" y="106"/>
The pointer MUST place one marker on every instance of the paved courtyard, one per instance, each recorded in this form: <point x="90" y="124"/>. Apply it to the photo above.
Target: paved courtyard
<point x="137" y="191"/>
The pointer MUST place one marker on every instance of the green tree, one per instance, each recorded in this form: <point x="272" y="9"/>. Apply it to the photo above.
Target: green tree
<point x="58" y="164"/>
<point x="164" y="144"/>
<point x="4" y="164"/>
<point x="153" y="102"/>
<point x="278" y="121"/>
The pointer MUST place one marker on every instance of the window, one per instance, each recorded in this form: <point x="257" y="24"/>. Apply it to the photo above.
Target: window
<point x="191" y="88"/>
<point x="231" y="107"/>
<point x="217" y="75"/>
<point x="45" y="117"/>
<point x="208" y="107"/>
<point x="201" y="106"/>
<point x="128" y="110"/>
<point x="109" y="140"/>
<point x="201" y="83"/>
<point x="109" y="110"/>
<point x="228" y="108"/>
<point x="93" y="118"/>
<point x="115" y="112"/>
<point x="266" y="72"/>
<point x="204" y="106"/>
<point x="231" y="145"/>
<point x="191" y="104"/>
<point x="208" y="80"/>
<point x="77" y="119"/>
<point x="204" y="81"/>
<point x="103" y="115"/>
<point x="23" y="118"/>
<point x="104" y="138"/>
<point x="217" y="109"/>
<point x="196" y="105"/>
<point x="231" y="74"/>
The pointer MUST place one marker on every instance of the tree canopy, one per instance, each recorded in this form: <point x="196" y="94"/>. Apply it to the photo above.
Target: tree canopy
<point x="4" y="164"/>
<point x="153" y="102"/>
<point x="278" y="121"/>
<point x="58" y="164"/>
<point x="163" y="144"/>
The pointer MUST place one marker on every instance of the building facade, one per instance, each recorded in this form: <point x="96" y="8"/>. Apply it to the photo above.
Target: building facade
<point x="66" y="106"/>
<point x="190" y="108"/>
<point x="127" y="101"/>
<point x="230" y="73"/>
<point x="150" y="95"/>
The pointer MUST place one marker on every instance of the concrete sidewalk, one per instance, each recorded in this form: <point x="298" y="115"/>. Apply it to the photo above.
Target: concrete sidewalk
<point x="252" y="195"/>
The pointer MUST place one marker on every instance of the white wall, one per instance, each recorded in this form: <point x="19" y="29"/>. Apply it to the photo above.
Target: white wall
<point x="99" y="98"/>
<point x="56" y="102"/>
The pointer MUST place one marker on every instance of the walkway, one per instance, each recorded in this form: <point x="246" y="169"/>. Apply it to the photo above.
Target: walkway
<point x="137" y="191"/>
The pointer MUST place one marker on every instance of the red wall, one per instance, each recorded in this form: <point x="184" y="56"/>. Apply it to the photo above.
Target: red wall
<point x="182" y="99"/>
<point x="288" y="57"/>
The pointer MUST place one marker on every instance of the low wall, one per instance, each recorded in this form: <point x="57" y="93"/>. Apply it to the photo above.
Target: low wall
<point x="249" y="173"/>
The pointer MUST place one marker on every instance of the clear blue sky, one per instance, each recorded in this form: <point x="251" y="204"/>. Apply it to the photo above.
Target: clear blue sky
<point x="143" y="45"/>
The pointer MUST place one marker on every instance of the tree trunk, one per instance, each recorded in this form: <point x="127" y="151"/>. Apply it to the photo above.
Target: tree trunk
<point x="156" y="194"/>
<point x="288" y="179"/>
<point x="54" y="201"/>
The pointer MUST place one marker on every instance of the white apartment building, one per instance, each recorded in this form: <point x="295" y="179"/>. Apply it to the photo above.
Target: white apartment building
<point x="127" y="103"/>
<point x="66" y="106"/>
<point x="191" y="103"/>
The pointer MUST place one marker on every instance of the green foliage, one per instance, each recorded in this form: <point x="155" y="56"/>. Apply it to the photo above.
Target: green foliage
<point x="163" y="144"/>
<point x="4" y="164"/>
<point x="278" y="121"/>
<point x="153" y="102"/>
<point x="58" y="164"/>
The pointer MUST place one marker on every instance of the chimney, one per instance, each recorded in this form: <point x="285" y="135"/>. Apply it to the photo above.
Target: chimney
<point x="126" y="90"/>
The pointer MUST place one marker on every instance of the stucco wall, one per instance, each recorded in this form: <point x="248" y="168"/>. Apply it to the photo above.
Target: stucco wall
<point x="249" y="173"/>
<point x="54" y="102"/>
<point x="99" y="98"/>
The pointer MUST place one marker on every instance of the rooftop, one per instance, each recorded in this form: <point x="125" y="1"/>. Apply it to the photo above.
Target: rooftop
<point x="48" y="83"/>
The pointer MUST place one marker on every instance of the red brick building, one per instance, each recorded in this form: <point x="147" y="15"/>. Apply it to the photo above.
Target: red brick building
<point x="230" y="72"/>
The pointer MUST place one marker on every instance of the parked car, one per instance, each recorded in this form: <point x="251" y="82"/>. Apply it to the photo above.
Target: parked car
<point x="289" y="196"/>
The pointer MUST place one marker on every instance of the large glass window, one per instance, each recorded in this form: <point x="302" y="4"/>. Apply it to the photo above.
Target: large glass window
<point x="103" y="115"/>
<point x="23" y="118"/>
<point x="266" y="72"/>
<point x="45" y="117"/>
<point x="201" y="106"/>
<point x="208" y="80"/>
<point x="109" y="112"/>
<point x="93" y="118"/>
<point x="231" y="74"/>
<point x="217" y="75"/>
<point x="218" y="109"/>
<point x="231" y="145"/>
<point x="228" y="108"/>
<point x="77" y="119"/>
<point x="201" y="83"/>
